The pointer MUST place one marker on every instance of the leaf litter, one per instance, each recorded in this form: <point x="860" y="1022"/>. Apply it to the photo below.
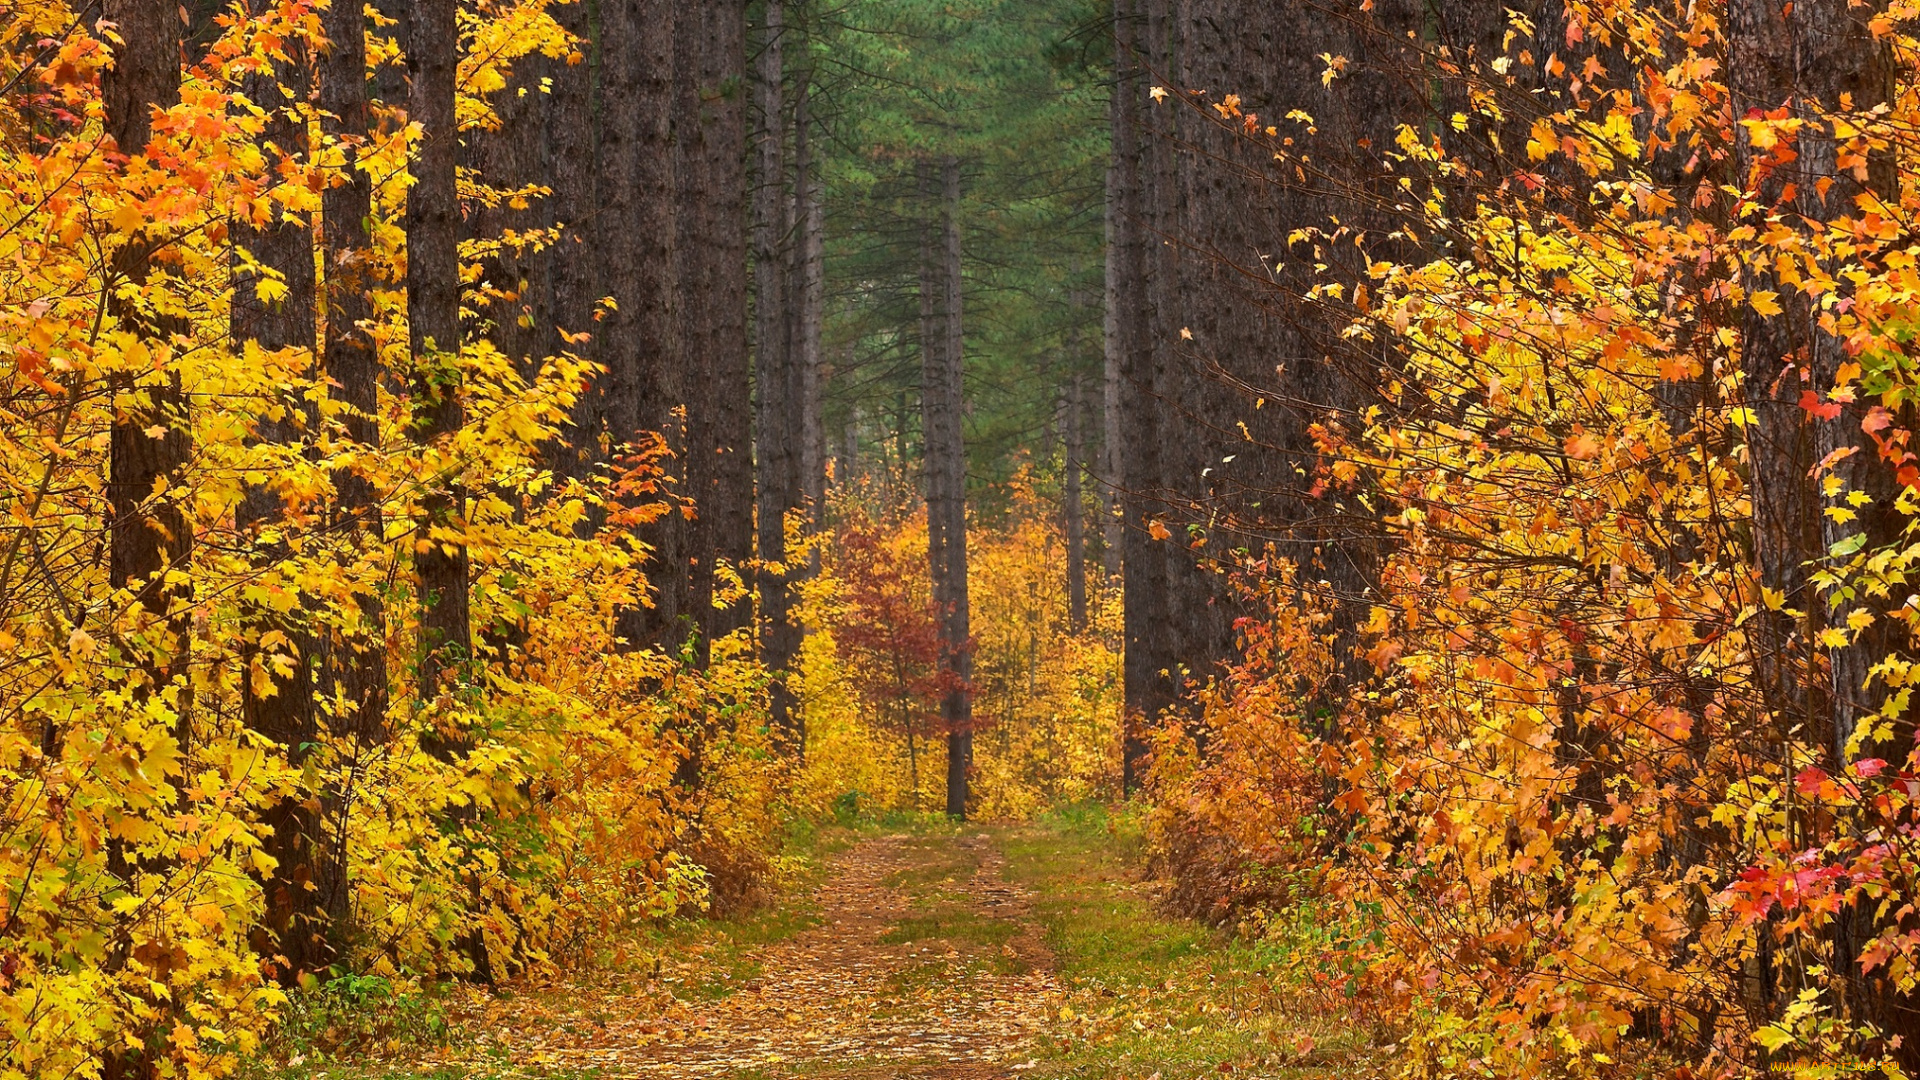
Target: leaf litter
<point x="920" y="965"/>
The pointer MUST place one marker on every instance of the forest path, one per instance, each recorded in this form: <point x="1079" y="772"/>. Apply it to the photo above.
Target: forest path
<point x="922" y="962"/>
<point x="1001" y="952"/>
<point x="925" y="964"/>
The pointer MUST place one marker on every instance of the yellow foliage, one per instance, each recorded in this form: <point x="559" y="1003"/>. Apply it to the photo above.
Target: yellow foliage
<point x="136" y="803"/>
<point x="1046" y="697"/>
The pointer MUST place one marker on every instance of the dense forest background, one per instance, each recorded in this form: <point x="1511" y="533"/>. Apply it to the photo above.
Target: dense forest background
<point x="479" y="475"/>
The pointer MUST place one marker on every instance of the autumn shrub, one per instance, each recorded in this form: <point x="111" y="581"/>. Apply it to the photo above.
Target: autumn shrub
<point x="1046" y="696"/>
<point x="1050" y="689"/>
<point x="1629" y="787"/>
<point x="162" y="853"/>
<point x="1239" y="821"/>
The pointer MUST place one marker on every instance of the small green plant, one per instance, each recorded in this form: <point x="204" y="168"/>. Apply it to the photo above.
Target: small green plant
<point x="351" y="1014"/>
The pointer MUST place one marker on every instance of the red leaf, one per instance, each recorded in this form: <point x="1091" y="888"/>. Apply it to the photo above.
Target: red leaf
<point x="1810" y="780"/>
<point x="1811" y="402"/>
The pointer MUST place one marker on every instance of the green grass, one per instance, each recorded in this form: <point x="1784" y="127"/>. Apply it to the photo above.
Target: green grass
<point x="950" y="924"/>
<point x="953" y="865"/>
<point x="1152" y="993"/>
<point x="1145" y="992"/>
<point x="727" y="948"/>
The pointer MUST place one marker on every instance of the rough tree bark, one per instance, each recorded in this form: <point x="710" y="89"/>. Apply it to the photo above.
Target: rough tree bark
<point x="433" y="313"/>
<point x="573" y="275"/>
<point x="512" y="302"/>
<point x="354" y="675"/>
<point x="1112" y="354"/>
<point x="280" y="705"/>
<point x="1074" y="512"/>
<point x="640" y="341"/>
<point x="147" y="534"/>
<point x="725" y="201"/>
<point x="1808" y="58"/>
<point x="1138" y="233"/>
<point x="809" y="299"/>
<point x="941" y="408"/>
<point x="697" y="303"/>
<point x="1804" y="58"/>
<point x="709" y="145"/>
<point x="849" y="463"/>
<point x="777" y="436"/>
<point x="1231" y="258"/>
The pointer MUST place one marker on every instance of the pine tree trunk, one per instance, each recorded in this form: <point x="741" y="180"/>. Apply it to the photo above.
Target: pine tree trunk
<point x="725" y="201"/>
<point x="1804" y="58"/>
<point x="1136" y="231"/>
<point x="513" y="289"/>
<point x="147" y="535"/>
<point x="574" y="278"/>
<point x="941" y="406"/>
<point x="810" y="300"/>
<point x="776" y="443"/>
<point x="1112" y="524"/>
<point x="355" y="672"/>
<point x="509" y="302"/>
<point x="280" y="707"/>
<point x="1111" y="355"/>
<point x="433" y="312"/>
<point x="849" y="464"/>
<point x="1169" y="639"/>
<point x="698" y="303"/>
<point x="1809" y="57"/>
<point x="1075" y="515"/>
<point x="1235" y="218"/>
<point x="390" y="79"/>
<point x="1192" y="186"/>
<point x="640" y="339"/>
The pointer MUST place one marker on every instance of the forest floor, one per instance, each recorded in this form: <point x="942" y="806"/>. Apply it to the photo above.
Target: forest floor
<point x="1022" y="951"/>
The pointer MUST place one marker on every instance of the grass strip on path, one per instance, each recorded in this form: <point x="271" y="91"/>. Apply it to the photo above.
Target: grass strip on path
<point x="939" y="952"/>
<point x="1151" y="994"/>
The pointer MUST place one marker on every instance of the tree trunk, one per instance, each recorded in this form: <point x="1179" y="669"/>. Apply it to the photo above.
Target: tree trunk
<point x="697" y="302"/>
<point x="1165" y="484"/>
<point x="574" y="280"/>
<point x="725" y="203"/>
<point x="640" y="340"/>
<point x="511" y="305"/>
<point x="941" y="408"/>
<point x="1240" y="223"/>
<point x="280" y="707"/>
<point x="1112" y="521"/>
<point x="391" y="78"/>
<point x="810" y="299"/>
<point x="1075" y="515"/>
<point x="355" y="672"/>
<point x="1137" y="477"/>
<point x="849" y="462"/>
<point x="147" y="533"/>
<point x="777" y="439"/>
<point x="433" y="312"/>
<point x="1809" y="58"/>
<point x="1805" y="58"/>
